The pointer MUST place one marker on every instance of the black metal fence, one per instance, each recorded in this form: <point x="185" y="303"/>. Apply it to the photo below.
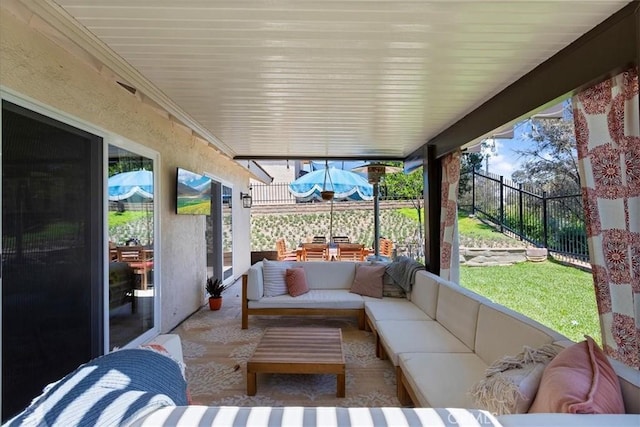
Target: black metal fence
<point x="278" y="193"/>
<point x="552" y="222"/>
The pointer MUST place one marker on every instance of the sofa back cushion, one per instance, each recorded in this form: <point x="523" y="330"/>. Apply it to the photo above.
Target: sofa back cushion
<point x="458" y="311"/>
<point x="502" y="331"/>
<point x="328" y="275"/>
<point x="424" y="292"/>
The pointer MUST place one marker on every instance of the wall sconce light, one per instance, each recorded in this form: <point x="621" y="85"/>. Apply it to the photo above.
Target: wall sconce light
<point x="247" y="200"/>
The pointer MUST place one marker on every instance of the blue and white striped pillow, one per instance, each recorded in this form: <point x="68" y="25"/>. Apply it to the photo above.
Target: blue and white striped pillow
<point x="273" y="273"/>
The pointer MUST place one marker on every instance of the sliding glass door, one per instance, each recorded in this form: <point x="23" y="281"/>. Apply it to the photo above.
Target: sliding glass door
<point x="132" y="291"/>
<point x="219" y="233"/>
<point x="52" y="252"/>
<point x="69" y="292"/>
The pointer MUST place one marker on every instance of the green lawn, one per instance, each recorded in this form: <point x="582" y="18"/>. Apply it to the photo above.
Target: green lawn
<point x="555" y="295"/>
<point x="122" y="218"/>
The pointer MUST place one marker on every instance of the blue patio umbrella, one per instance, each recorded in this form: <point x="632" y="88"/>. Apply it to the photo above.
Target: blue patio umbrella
<point x="125" y="185"/>
<point x="345" y="185"/>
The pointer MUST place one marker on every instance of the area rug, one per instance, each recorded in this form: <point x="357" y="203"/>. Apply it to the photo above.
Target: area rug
<point x="216" y="351"/>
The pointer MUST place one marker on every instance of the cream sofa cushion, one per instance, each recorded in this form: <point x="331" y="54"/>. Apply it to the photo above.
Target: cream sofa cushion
<point x="392" y="309"/>
<point x="442" y="379"/>
<point x="408" y="336"/>
<point x="329" y="299"/>
<point x="501" y="331"/>
<point x="458" y="311"/>
<point x="328" y="275"/>
<point x="424" y="292"/>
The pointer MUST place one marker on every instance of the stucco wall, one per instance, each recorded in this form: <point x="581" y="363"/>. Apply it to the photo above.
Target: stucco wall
<point x="33" y="66"/>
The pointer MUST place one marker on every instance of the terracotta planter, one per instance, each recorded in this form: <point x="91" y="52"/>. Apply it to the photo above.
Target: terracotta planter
<point x="215" y="303"/>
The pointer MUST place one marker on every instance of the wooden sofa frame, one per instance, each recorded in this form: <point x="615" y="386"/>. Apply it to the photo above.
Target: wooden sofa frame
<point x="342" y="312"/>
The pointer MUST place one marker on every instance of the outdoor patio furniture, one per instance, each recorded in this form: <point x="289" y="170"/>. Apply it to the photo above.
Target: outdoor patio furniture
<point x="350" y="252"/>
<point x="385" y="248"/>
<point x="341" y="239"/>
<point x="140" y="259"/>
<point x="296" y="351"/>
<point x="314" y="252"/>
<point x="283" y="253"/>
<point x="319" y="239"/>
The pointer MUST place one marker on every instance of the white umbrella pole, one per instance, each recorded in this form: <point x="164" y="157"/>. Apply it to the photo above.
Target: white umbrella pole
<point x="376" y="222"/>
<point x="331" y="222"/>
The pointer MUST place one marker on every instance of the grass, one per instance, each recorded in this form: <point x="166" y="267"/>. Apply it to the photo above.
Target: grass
<point x="411" y="213"/>
<point x="555" y="295"/>
<point x="122" y="218"/>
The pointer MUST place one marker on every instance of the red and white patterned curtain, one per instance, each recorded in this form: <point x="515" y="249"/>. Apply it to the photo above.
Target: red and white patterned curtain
<point x="607" y="124"/>
<point x="449" y="251"/>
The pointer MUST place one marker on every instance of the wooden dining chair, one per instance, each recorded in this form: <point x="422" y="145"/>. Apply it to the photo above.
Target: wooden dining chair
<point x="350" y="252"/>
<point x="314" y="252"/>
<point x="341" y="239"/>
<point x="385" y="248"/>
<point x="139" y="259"/>
<point x="283" y="253"/>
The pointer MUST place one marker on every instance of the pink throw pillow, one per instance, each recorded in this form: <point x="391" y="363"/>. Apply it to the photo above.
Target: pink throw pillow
<point x="579" y="380"/>
<point x="368" y="280"/>
<point x="296" y="280"/>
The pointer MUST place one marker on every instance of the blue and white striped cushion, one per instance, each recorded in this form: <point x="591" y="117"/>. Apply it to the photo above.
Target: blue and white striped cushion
<point x="293" y="416"/>
<point x="274" y="273"/>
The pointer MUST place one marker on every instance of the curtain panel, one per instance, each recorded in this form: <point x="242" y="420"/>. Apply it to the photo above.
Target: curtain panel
<point x="449" y="250"/>
<point x="607" y="126"/>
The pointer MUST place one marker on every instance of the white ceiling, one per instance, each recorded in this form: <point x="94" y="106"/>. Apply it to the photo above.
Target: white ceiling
<point x="309" y="79"/>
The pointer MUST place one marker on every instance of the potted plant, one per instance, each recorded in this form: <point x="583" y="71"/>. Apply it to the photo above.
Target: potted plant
<point x="214" y="288"/>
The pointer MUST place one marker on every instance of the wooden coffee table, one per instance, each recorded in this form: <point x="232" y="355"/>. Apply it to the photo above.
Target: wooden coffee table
<point x="302" y="350"/>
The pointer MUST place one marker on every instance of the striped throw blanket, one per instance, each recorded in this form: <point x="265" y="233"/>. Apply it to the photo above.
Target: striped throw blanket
<point x="290" y="416"/>
<point x="111" y="390"/>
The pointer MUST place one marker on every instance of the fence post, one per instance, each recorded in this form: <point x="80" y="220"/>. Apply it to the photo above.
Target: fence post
<point x="545" y="220"/>
<point x="501" y="204"/>
<point x="473" y="192"/>
<point x="520" y="213"/>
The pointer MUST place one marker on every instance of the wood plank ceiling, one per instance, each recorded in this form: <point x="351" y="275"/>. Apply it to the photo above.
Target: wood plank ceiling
<point x="340" y="79"/>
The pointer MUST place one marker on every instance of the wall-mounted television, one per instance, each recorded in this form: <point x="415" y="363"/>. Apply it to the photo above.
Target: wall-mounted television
<point x="193" y="193"/>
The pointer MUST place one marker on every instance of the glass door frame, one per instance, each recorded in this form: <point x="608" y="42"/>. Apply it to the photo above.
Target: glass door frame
<point x="141" y="150"/>
<point x="113" y="139"/>
<point x="217" y="181"/>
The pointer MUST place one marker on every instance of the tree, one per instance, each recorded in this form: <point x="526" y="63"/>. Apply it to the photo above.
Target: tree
<point x="469" y="162"/>
<point x="407" y="187"/>
<point x="551" y="164"/>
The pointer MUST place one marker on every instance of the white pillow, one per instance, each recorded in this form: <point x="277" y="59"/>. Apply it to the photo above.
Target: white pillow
<point x="273" y="273"/>
<point x="511" y="382"/>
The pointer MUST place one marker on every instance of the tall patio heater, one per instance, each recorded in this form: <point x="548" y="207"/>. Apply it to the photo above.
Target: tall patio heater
<point x="375" y="171"/>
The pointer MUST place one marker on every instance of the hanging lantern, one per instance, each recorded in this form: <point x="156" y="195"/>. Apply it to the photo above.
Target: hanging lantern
<point x="325" y="193"/>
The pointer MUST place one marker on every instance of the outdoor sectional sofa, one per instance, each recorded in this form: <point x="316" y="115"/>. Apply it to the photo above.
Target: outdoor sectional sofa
<point x="449" y="336"/>
<point x="441" y="338"/>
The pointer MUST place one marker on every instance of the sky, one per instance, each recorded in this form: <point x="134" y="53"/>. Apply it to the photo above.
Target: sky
<point x="504" y="161"/>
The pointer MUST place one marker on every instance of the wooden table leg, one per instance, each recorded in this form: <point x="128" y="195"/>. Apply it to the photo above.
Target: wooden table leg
<point x="341" y="388"/>
<point x="251" y="383"/>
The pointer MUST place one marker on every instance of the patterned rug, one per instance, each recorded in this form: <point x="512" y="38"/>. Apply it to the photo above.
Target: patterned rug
<point x="216" y="351"/>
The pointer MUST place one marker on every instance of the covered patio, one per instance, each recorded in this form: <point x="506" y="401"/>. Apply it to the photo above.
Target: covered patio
<point x="215" y="87"/>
